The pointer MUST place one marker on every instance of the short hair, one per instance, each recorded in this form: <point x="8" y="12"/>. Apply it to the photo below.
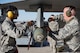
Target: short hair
<point x="11" y="8"/>
<point x="71" y="7"/>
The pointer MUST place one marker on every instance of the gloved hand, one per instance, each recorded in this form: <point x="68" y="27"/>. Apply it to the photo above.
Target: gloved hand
<point x="50" y="19"/>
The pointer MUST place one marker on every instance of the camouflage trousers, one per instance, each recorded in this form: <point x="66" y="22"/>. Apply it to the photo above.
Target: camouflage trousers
<point x="11" y="51"/>
<point x="68" y="50"/>
<point x="52" y="44"/>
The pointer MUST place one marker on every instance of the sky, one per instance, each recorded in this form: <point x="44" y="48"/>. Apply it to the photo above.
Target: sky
<point x="27" y="16"/>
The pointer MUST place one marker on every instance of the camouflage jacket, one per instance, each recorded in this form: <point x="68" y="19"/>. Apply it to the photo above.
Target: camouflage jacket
<point x="9" y="34"/>
<point x="70" y="33"/>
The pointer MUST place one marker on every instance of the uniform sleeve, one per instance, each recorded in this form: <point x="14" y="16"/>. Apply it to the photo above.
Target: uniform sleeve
<point x="13" y="31"/>
<point x="67" y="32"/>
<point x="53" y="25"/>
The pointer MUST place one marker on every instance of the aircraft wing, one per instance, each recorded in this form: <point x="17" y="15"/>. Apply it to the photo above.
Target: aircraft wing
<point x="48" y="5"/>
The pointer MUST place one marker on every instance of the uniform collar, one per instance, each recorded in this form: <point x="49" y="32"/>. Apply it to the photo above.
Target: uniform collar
<point x="9" y="20"/>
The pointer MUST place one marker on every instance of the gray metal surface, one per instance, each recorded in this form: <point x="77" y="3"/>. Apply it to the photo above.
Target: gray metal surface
<point x="48" y="5"/>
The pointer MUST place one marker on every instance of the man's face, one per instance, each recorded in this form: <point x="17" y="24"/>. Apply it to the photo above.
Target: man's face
<point x="16" y="14"/>
<point x="64" y="13"/>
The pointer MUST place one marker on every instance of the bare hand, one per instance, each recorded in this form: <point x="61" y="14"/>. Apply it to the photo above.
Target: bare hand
<point x="30" y="23"/>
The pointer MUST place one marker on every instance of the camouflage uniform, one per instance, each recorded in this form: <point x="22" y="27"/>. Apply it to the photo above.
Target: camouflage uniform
<point x="70" y="33"/>
<point x="53" y="25"/>
<point x="9" y="34"/>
